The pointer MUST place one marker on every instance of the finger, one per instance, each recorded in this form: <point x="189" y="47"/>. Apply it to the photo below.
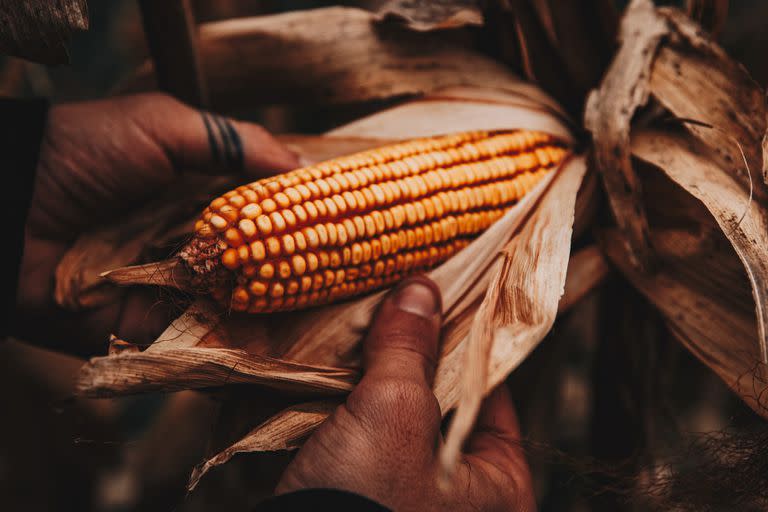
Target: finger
<point x="496" y="438"/>
<point x="403" y="339"/>
<point x="248" y="146"/>
<point x="211" y="143"/>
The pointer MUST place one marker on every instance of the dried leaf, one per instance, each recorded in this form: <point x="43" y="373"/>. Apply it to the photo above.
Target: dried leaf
<point x="284" y="431"/>
<point x="743" y="221"/>
<point x="195" y="367"/>
<point x="705" y="298"/>
<point x="294" y="58"/>
<point x="608" y="115"/>
<point x="516" y="103"/>
<point x="519" y="308"/>
<point x="665" y="54"/>
<point x="40" y="30"/>
<point x="695" y="79"/>
<point x="426" y="15"/>
<point x="587" y="268"/>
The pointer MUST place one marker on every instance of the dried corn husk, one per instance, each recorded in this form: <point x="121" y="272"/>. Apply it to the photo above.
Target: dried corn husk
<point x="700" y="289"/>
<point x="301" y="61"/>
<point x="40" y="30"/>
<point x="703" y="128"/>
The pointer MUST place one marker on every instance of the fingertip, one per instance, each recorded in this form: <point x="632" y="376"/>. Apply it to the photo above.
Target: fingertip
<point x="263" y="154"/>
<point x="418" y="295"/>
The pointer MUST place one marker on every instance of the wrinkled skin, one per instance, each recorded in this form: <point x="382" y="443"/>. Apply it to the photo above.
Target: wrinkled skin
<point x="383" y="442"/>
<point x="98" y="160"/>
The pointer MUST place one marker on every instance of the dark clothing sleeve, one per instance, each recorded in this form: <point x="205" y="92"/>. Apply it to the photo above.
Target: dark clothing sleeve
<point x="320" y="499"/>
<point x="22" y="122"/>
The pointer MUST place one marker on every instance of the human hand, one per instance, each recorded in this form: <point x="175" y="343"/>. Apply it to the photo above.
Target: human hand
<point x="383" y="442"/>
<point x="98" y="160"/>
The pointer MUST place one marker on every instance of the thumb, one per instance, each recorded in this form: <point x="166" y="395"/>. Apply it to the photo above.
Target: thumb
<point x="403" y="339"/>
<point x="393" y="402"/>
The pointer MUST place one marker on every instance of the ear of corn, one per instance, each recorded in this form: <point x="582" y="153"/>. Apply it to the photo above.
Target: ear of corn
<point x="362" y="222"/>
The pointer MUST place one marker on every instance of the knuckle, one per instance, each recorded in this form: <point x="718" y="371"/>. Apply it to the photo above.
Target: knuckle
<point x="394" y="400"/>
<point x="408" y="342"/>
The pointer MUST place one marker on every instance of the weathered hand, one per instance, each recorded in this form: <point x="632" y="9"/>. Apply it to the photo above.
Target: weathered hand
<point x="98" y="160"/>
<point x="383" y="442"/>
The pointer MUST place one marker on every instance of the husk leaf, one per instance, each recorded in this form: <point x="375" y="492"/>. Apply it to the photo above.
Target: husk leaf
<point x="297" y="52"/>
<point x="519" y="307"/>
<point x="608" y="115"/>
<point x="743" y="221"/>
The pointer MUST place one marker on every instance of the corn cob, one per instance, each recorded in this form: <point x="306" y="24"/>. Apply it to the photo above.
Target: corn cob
<point x="362" y="222"/>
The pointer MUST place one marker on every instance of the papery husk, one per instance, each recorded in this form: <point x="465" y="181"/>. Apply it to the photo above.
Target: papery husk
<point x="743" y="221"/>
<point x="298" y="59"/>
<point x="703" y="126"/>
<point x="286" y="430"/>
<point x="701" y="288"/>
<point x="519" y="307"/>
<point x="39" y="30"/>
<point x="696" y="80"/>
<point x="608" y="114"/>
<point x="666" y="56"/>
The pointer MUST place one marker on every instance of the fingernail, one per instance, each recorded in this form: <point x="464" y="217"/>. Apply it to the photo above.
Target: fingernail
<point x="417" y="298"/>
